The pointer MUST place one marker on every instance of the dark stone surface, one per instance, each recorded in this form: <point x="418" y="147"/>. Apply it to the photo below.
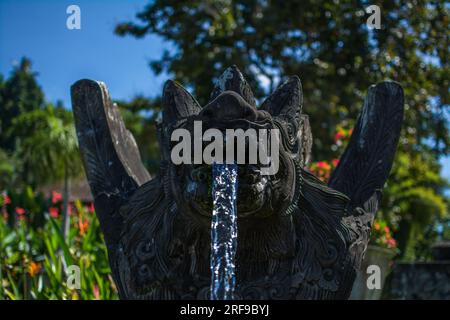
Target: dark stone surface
<point x="298" y="238"/>
<point x="441" y="251"/>
<point x="423" y="281"/>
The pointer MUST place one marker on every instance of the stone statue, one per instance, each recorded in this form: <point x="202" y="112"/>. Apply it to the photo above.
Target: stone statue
<point x="298" y="238"/>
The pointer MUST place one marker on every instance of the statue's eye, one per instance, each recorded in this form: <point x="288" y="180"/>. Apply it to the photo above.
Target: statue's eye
<point x="199" y="175"/>
<point x="194" y="174"/>
<point x="251" y="179"/>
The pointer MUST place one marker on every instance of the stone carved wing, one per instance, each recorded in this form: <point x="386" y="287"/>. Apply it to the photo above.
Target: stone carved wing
<point x="365" y="164"/>
<point x="110" y="155"/>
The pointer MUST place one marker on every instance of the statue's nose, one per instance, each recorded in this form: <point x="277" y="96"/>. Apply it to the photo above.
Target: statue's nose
<point x="229" y="106"/>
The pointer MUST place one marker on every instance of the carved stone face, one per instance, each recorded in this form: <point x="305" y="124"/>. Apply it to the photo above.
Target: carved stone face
<point x="259" y="195"/>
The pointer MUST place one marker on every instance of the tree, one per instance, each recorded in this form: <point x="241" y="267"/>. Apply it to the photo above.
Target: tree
<point x="337" y="56"/>
<point x="6" y="169"/>
<point x="47" y="145"/>
<point x="327" y="43"/>
<point x="414" y="204"/>
<point x="18" y="94"/>
<point x="48" y="148"/>
<point x="38" y="143"/>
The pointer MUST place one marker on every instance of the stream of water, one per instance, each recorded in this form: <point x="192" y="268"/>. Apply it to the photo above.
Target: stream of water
<point x="223" y="231"/>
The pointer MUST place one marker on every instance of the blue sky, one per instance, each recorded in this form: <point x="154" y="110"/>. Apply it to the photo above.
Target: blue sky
<point x="37" y="29"/>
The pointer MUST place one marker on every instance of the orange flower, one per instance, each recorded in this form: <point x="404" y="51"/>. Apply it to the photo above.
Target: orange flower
<point x="387" y="230"/>
<point x="377" y="226"/>
<point x="335" y="162"/>
<point x="83" y="226"/>
<point x="34" y="268"/>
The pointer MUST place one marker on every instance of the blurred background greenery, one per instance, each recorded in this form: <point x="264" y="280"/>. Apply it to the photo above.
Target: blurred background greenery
<point x="326" y="43"/>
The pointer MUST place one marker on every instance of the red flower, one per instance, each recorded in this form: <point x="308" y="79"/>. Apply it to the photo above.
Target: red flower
<point x="56" y="197"/>
<point x="322" y="165"/>
<point x="54" y="213"/>
<point x="335" y="162"/>
<point x="90" y="208"/>
<point x="6" y="199"/>
<point x="387" y="230"/>
<point x="20" y="211"/>
<point x="71" y="209"/>
<point x="96" y="292"/>
<point x="392" y="243"/>
<point x="338" y="136"/>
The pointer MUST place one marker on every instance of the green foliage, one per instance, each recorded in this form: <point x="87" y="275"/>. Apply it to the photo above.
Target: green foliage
<point x="6" y="168"/>
<point x="381" y="235"/>
<point x="413" y="202"/>
<point x="327" y="43"/>
<point x="38" y="144"/>
<point x="20" y="93"/>
<point x="47" y="145"/>
<point x="34" y="257"/>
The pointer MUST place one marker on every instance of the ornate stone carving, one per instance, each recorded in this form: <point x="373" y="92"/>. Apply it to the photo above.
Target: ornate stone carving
<point x="298" y="238"/>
